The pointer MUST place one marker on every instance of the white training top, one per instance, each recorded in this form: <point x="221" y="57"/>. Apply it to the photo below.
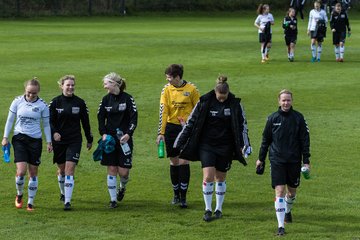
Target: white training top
<point x="314" y="17"/>
<point x="262" y="19"/>
<point x="28" y="117"/>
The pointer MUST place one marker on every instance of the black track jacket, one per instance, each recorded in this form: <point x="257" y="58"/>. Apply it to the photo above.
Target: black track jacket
<point x="65" y="116"/>
<point x="117" y="111"/>
<point x="287" y="135"/>
<point x="189" y="138"/>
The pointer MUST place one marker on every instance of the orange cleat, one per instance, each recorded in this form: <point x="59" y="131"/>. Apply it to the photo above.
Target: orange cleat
<point x="18" y="201"/>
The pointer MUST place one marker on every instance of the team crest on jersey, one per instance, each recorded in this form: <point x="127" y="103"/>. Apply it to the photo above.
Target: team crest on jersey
<point x="213" y="113"/>
<point x="108" y="109"/>
<point x="122" y="106"/>
<point x="227" y="112"/>
<point x="35" y="109"/>
<point x="186" y="94"/>
<point x="59" y="110"/>
<point x="75" y="110"/>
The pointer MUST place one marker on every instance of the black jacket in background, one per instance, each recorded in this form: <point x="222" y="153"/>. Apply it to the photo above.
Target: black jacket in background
<point x="66" y="113"/>
<point x="287" y="135"/>
<point x="117" y="111"/>
<point x="189" y="138"/>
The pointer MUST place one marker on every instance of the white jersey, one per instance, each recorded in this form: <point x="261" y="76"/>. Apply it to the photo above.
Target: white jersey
<point x="263" y="19"/>
<point x="28" y="118"/>
<point x="314" y="17"/>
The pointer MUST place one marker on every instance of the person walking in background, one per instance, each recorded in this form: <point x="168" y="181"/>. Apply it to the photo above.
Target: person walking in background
<point x="66" y="113"/>
<point x="298" y="5"/>
<point x="215" y="133"/>
<point x="346" y="5"/>
<point x="286" y="137"/>
<point x="339" y="21"/>
<point x="177" y="100"/>
<point x="117" y="114"/>
<point x="290" y="32"/>
<point x="29" y="111"/>
<point x="317" y="30"/>
<point x="263" y="23"/>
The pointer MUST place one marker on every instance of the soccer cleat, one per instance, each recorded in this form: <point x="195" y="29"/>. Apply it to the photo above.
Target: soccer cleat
<point x="30" y="207"/>
<point x="18" y="201"/>
<point x="313" y="59"/>
<point x="113" y="204"/>
<point x="288" y="217"/>
<point x="281" y="231"/>
<point x="341" y="60"/>
<point x="291" y="59"/>
<point x="183" y="203"/>
<point x="263" y="61"/>
<point x="217" y="214"/>
<point x="175" y="200"/>
<point x="120" y="194"/>
<point x="207" y="216"/>
<point x="318" y="60"/>
<point x="338" y="59"/>
<point x="62" y="197"/>
<point x="67" y="206"/>
<point x="267" y="57"/>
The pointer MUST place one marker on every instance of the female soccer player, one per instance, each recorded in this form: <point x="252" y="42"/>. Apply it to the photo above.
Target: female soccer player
<point x="29" y="111"/>
<point x="66" y="113"/>
<point x="177" y="100"/>
<point x="286" y="138"/>
<point x="339" y="21"/>
<point x="117" y="110"/>
<point x="263" y="23"/>
<point x="216" y="132"/>
<point x="317" y="30"/>
<point x="290" y="31"/>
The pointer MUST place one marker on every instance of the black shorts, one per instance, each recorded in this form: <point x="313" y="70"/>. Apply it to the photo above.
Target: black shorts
<point x="285" y="174"/>
<point x="66" y="152"/>
<point x="27" y="149"/>
<point x="219" y="157"/>
<point x="263" y="38"/>
<point x="117" y="157"/>
<point x="290" y="39"/>
<point x="171" y="132"/>
<point x="315" y="35"/>
<point x="339" y="37"/>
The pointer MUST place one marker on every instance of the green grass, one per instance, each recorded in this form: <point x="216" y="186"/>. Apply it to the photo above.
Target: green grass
<point x="139" y="48"/>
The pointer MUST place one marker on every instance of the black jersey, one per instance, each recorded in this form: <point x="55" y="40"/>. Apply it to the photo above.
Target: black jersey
<point x="339" y="21"/>
<point x="66" y="113"/>
<point x="290" y="26"/>
<point x="117" y="111"/>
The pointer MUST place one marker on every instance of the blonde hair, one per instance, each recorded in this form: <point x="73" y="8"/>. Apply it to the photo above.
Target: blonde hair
<point x="285" y="91"/>
<point x="117" y="79"/>
<point x="64" y="78"/>
<point x="221" y="85"/>
<point x="33" y="82"/>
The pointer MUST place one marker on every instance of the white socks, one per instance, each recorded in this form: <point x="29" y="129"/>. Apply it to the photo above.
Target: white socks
<point x="280" y="210"/>
<point x="319" y="49"/>
<point x="111" y="182"/>
<point x="220" y="190"/>
<point x="68" y="187"/>
<point x="32" y="189"/>
<point x="313" y="50"/>
<point x="289" y="203"/>
<point x="208" y="189"/>
<point x="123" y="182"/>
<point x="61" y="181"/>
<point x="337" y="52"/>
<point x="19" y="181"/>
<point x="342" y="51"/>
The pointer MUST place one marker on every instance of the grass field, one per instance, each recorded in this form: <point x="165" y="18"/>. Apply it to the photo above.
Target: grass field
<point x="139" y="48"/>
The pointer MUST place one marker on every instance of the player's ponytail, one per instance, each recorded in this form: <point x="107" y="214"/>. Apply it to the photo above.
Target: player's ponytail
<point x="117" y="79"/>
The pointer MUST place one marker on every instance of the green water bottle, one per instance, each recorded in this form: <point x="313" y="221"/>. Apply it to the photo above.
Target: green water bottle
<point x="305" y="172"/>
<point x="161" y="149"/>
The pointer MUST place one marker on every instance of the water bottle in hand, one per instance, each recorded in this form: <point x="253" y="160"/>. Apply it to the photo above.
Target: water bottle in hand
<point x="161" y="149"/>
<point x="305" y="172"/>
<point x="6" y="151"/>
<point x="124" y="146"/>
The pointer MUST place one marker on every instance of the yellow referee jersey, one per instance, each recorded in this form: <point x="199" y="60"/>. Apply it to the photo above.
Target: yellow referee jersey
<point x="176" y="103"/>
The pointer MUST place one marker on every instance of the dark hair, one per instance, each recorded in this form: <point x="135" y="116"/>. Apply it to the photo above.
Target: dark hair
<point x="175" y="70"/>
<point x="221" y="85"/>
<point x="261" y="8"/>
<point x="34" y="82"/>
